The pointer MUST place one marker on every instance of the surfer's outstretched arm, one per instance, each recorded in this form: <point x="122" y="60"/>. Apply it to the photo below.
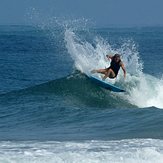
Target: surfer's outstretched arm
<point x="124" y="70"/>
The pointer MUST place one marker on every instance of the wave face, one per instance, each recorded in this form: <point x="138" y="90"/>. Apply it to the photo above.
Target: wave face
<point x="51" y="112"/>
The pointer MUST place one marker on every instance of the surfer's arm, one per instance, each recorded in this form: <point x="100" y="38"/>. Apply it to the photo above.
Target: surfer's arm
<point x="123" y="68"/>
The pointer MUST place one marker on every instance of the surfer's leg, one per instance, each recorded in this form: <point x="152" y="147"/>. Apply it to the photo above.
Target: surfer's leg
<point x="102" y="71"/>
<point x="110" y="73"/>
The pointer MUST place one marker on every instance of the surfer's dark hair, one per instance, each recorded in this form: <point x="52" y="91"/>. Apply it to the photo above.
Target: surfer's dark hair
<point x="117" y="56"/>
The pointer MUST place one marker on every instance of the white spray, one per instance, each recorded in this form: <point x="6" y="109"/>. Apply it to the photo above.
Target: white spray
<point x="143" y="90"/>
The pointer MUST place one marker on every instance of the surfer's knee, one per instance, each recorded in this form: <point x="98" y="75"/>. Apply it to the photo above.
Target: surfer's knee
<point x="108" y="71"/>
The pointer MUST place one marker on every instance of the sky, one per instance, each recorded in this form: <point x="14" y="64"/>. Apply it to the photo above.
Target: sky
<point x="103" y="13"/>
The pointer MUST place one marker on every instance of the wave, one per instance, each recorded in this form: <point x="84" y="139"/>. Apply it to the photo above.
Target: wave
<point x="143" y="90"/>
<point x="76" y="88"/>
<point x="81" y="111"/>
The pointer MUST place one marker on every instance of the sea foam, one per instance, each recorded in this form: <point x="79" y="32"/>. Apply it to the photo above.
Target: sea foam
<point x="119" y="151"/>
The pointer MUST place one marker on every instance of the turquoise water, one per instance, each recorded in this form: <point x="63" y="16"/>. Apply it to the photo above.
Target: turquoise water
<point x="51" y="112"/>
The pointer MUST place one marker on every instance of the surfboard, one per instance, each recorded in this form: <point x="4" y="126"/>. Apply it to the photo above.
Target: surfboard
<point x="106" y="85"/>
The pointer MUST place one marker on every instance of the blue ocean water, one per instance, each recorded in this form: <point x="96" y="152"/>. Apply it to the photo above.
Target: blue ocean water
<point x="51" y="112"/>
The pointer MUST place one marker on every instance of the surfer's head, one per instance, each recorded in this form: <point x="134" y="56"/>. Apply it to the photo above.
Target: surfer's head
<point x="117" y="57"/>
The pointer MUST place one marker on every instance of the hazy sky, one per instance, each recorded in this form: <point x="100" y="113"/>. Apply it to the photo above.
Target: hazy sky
<point x="101" y="12"/>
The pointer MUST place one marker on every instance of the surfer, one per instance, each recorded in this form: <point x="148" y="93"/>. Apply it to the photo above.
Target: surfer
<point x="113" y="70"/>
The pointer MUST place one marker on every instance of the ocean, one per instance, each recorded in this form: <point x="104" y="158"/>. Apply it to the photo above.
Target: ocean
<point x="51" y="112"/>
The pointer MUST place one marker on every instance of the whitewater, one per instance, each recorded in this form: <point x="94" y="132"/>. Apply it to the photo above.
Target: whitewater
<point x="128" y="151"/>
